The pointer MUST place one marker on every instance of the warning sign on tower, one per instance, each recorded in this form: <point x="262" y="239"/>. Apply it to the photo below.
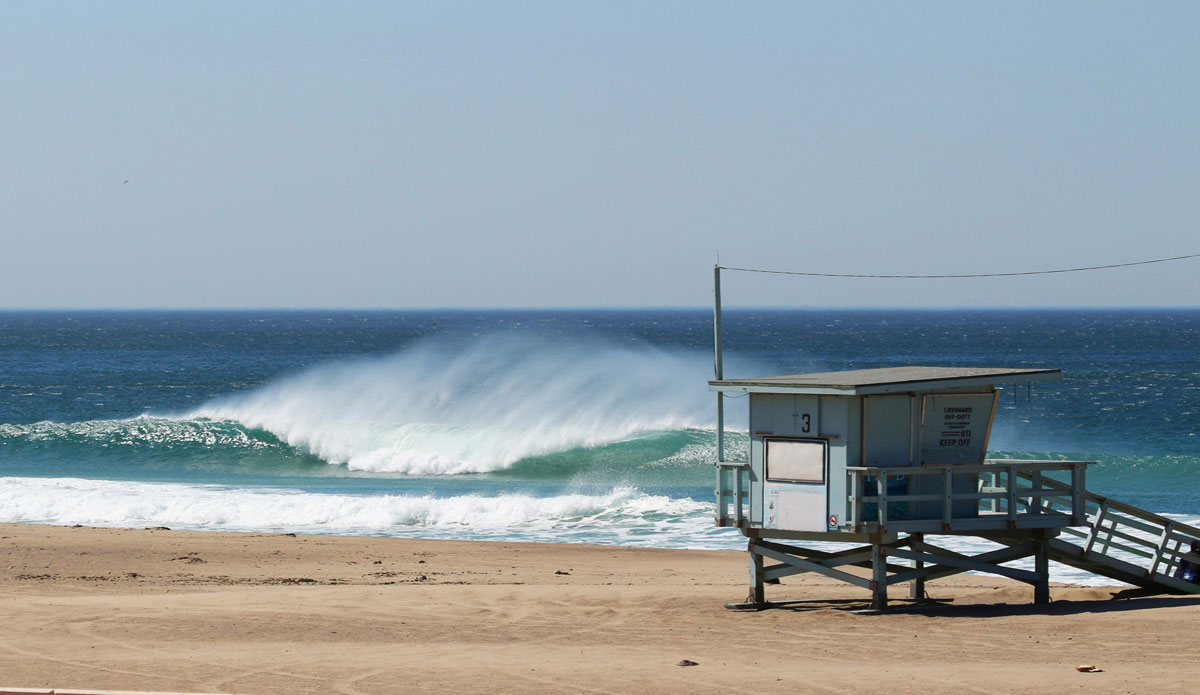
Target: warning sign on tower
<point x="954" y="427"/>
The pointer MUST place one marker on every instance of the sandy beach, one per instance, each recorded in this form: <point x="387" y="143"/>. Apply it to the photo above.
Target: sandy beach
<point x="156" y="609"/>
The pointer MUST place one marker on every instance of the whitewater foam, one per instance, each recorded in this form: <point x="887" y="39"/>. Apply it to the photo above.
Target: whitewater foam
<point x="447" y="409"/>
<point x="622" y="515"/>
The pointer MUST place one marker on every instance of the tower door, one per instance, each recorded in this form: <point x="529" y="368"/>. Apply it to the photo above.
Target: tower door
<point x="796" y="474"/>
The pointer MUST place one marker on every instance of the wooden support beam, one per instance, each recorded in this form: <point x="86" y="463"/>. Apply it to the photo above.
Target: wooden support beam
<point x="775" y="572"/>
<point x="1041" y="564"/>
<point x="863" y="550"/>
<point x="856" y="557"/>
<point x="810" y="566"/>
<point x="916" y="590"/>
<point x="757" y="593"/>
<point x="987" y="562"/>
<point x="879" y="597"/>
<point x="1013" y="551"/>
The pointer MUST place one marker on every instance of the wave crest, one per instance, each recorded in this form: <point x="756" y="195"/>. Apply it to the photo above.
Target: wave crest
<point x="140" y="431"/>
<point x="440" y="408"/>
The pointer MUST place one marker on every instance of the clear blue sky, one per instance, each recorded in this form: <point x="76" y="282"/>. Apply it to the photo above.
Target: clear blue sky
<point x="525" y="154"/>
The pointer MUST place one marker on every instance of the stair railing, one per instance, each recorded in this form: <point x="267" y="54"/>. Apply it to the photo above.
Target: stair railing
<point x="1132" y="537"/>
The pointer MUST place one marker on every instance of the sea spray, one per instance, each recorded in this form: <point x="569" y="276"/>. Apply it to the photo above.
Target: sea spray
<point x="483" y="406"/>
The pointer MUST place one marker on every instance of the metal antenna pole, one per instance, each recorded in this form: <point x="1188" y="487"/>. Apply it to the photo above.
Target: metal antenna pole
<point x="718" y="367"/>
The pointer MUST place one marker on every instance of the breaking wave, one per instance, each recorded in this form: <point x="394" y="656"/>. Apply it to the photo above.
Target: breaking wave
<point x="482" y="407"/>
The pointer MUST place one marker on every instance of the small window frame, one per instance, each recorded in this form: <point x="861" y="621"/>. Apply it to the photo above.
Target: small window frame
<point x="781" y="443"/>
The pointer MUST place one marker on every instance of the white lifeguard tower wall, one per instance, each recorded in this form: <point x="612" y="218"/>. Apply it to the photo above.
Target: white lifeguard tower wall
<point x="806" y="430"/>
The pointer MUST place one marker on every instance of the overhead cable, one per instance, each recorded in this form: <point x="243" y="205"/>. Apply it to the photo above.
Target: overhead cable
<point x="964" y="275"/>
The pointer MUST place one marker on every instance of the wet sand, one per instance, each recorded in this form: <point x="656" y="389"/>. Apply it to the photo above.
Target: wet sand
<point x="252" y="613"/>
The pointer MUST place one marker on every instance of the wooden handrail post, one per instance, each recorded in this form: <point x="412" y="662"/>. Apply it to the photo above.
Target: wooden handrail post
<point x="737" y="497"/>
<point x="722" y="510"/>
<point x="1011" y="498"/>
<point x="1162" y="546"/>
<point x="856" y="509"/>
<point x="1078" y="493"/>
<point x="947" y="493"/>
<point x="881" y="480"/>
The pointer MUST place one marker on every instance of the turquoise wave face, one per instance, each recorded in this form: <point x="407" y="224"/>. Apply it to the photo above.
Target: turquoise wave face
<point x="151" y="448"/>
<point x="199" y="450"/>
<point x="651" y="460"/>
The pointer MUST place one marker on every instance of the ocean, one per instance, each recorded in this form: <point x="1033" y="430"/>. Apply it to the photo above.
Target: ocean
<point x="586" y="426"/>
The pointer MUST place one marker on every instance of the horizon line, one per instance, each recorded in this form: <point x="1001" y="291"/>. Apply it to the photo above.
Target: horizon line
<point x="742" y="307"/>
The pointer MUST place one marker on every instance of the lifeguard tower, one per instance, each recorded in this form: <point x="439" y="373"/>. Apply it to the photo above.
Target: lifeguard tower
<point x="882" y="457"/>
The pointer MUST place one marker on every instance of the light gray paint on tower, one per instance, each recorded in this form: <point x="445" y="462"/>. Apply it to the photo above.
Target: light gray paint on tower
<point x="888" y="418"/>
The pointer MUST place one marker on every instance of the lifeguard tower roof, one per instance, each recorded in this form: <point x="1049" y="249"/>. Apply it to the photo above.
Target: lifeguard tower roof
<point x="864" y="382"/>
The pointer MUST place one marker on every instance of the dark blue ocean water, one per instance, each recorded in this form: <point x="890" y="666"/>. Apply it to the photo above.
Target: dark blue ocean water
<point x="592" y="426"/>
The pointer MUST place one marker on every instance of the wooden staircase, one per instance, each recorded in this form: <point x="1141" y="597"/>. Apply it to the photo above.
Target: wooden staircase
<point x="1123" y="542"/>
